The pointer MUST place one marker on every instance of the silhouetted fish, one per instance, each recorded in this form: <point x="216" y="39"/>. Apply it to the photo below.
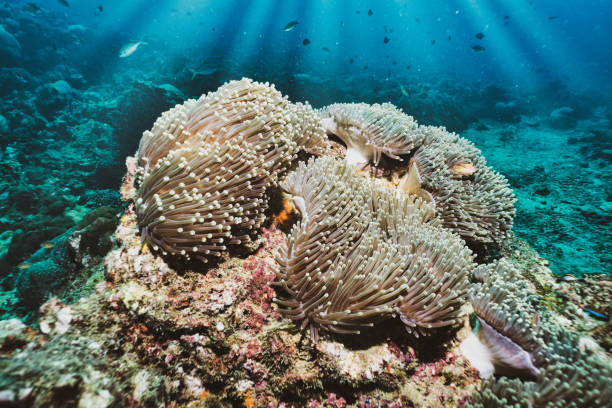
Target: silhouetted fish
<point x="100" y="8"/>
<point x="31" y="8"/>
<point x="306" y="41"/>
<point x="480" y="36"/>
<point x="325" y="49"/>
<point x="63" y="3"/>
<point x="433" y="42"/>
<point x="202" y="72"/>
<point x="290" y="25"/>
<point x="552" y="17"/>
<point x="386" y="40"/>
<point x="478" y="48"/>
<point x="370" y="12"/>
<point x="351" y="60"/>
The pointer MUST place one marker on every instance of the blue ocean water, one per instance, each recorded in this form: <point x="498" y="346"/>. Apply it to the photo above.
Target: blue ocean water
<point x="527" y="81"/>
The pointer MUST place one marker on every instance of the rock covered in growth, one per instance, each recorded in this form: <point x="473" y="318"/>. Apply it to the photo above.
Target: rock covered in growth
<point x="206" y="166"/>
<point x="362" y="254"/>
<point x="471" y="199"/>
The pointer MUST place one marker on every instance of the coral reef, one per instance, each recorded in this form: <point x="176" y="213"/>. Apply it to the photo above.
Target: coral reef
<point x="156" y="333"/>
<point x="471" y="199"/>
<point x="207" y="164"/>
<point x="362" y="253"/>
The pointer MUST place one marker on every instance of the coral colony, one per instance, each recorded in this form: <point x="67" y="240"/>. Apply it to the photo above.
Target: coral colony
<point x="274" y="255"/>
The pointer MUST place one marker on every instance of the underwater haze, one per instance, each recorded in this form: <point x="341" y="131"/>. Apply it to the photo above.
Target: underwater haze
<point x="528" y="82"/>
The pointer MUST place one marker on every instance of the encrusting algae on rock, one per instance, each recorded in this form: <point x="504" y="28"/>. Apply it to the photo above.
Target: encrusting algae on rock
<point x="172" y="331"/>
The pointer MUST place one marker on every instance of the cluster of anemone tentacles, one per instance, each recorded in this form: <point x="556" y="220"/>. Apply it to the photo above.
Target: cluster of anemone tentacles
<point x="363" y="253"/>
<point x="207" y="164"/>
<point x="538" y="362"/>
<point x="471" y="199"/>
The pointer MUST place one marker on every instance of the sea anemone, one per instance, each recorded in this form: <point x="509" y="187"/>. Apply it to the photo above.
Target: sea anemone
<point x="372" y="130"/>
<point x="524" y="341"/>
<point x="471" y="199"/>
<point x="505" y="337"/>
<point x="584" y="383"/>
<point x="362" y="254"/>
<point x="206" y="166"/>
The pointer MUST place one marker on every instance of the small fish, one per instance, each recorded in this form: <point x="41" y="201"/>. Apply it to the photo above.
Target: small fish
<point x="290" y="25"/>
<point x="76" y="27"/>
<point x="63" y="3"/>
<point x="464" y="169"/>
<point x="449" y="38"/>
<point x="386" y="40"/>
<point x="202" y="72"/>
<point x="478" y="48"/>
<point x="370" y="12"/>
<point x="595" y="314"/>
<point x="306" y="41"/>
<point x="62" y="87"/>
<point x="568" y="277"/>
<point x="47" y="245"/>
<point x="31" y="8"/>
<point x="357" y="12"/>
<point x="480" y="36"/>
<point x="325" y="49"/>
<point x="100" y="8"/>
<point x="351" y="60"/>
<point x="404" y="90"/>
<point x="130" y="48"/>
<point x="24" y="265"/>
<point x="552" y="17"/>
<point x="433" y="42"/>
